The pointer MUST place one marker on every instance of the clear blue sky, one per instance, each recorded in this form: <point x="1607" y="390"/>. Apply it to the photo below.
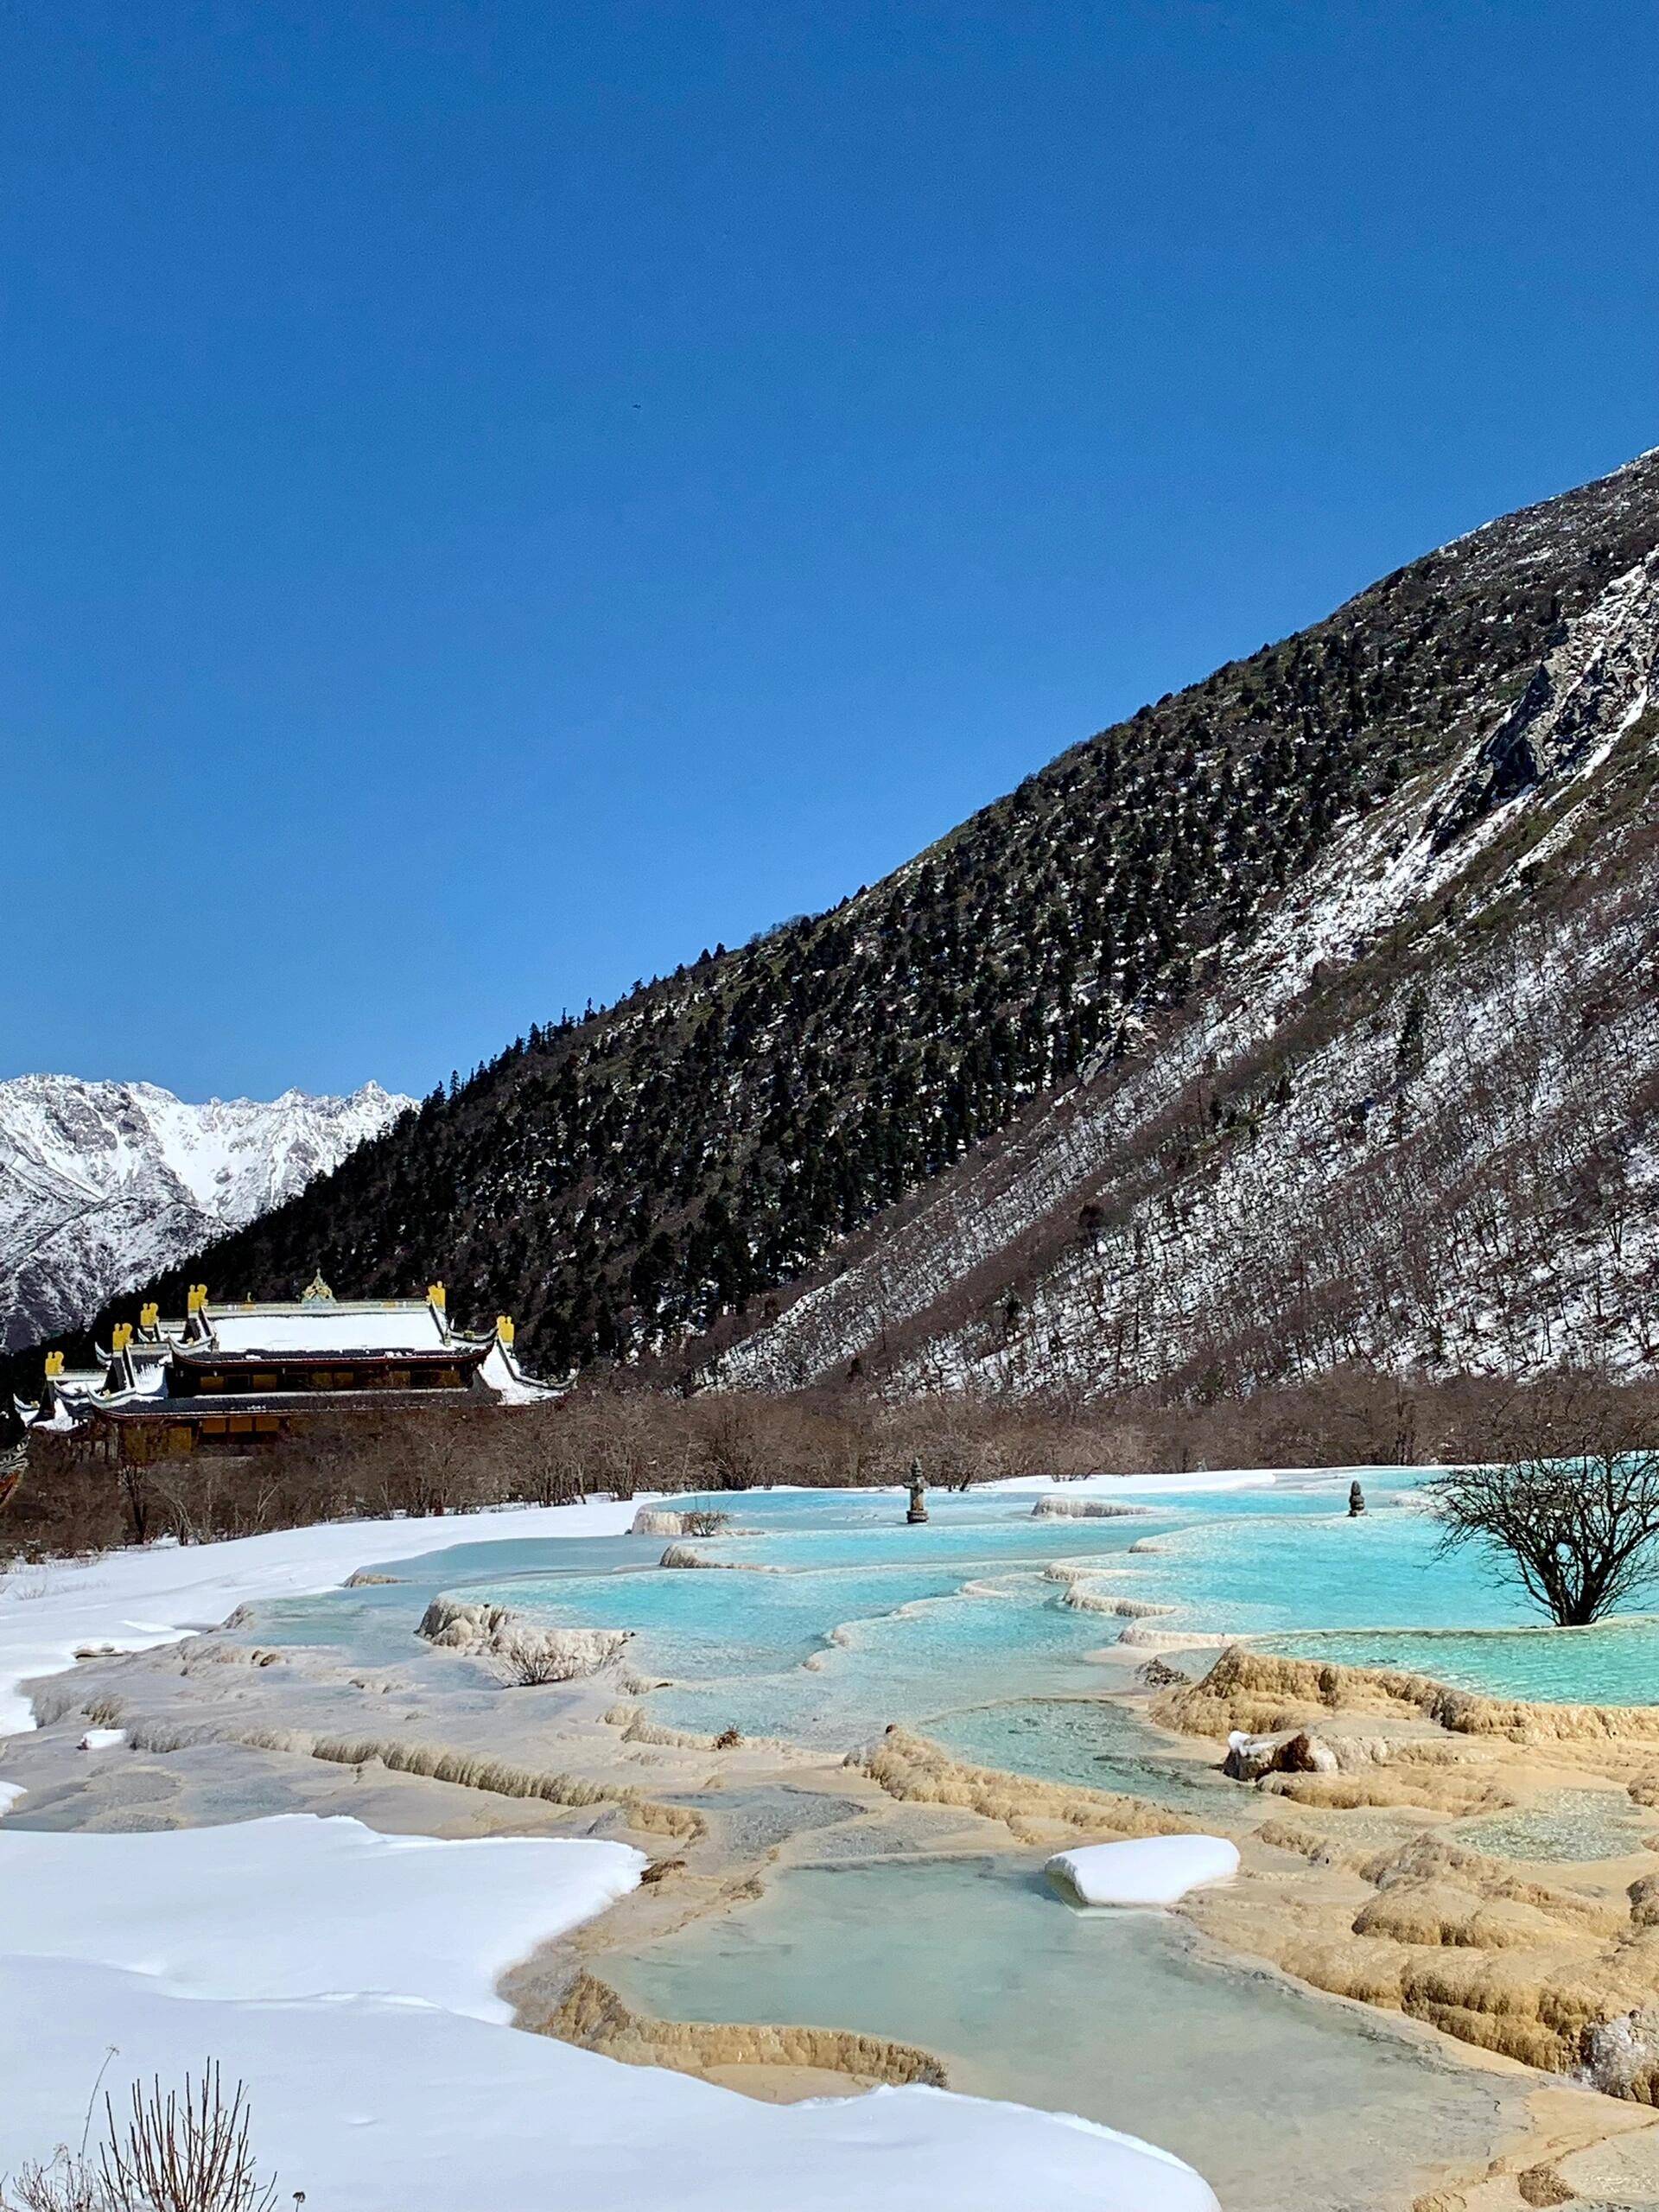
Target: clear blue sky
<point x="498" y="497"/>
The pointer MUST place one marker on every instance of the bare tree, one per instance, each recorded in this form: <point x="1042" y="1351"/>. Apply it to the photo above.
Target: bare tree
<point x="1573" y="1512"/>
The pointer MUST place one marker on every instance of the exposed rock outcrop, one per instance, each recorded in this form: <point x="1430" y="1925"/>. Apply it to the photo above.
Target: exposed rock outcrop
<point x="1249" y="1757"/>
<point x="1264" y="1695"/>
<point x="679" y="1520"/>
<point x="465" y="1768"/>
<point x="688" y="1556"/>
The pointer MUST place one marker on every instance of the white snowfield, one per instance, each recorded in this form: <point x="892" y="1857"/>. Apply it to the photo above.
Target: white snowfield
<point x="349" y="1979"/>
<point x="1164" y="1485"/>
<point x="300" y="1908"/>
<point x="1151" y="1870"/>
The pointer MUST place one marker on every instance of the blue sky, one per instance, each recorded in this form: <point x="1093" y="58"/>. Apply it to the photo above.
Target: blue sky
<point x="498" y="497"/>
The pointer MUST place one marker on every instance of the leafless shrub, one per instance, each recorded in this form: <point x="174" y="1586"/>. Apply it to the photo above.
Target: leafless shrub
<point x="65" y="2185"/>
<point x="532" y="1663"/>
<point x="183" y="2151"/>
<point x="174" y="2150"/>
<point x="697" y="1523"/>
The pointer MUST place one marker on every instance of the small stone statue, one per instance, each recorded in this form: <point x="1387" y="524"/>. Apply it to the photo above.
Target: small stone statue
<point x="917" y="1512"/>
<point x="1355" y="1501"/>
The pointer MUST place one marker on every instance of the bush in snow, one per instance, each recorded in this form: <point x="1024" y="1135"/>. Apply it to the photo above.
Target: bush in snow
<point x="174" y="2150"/>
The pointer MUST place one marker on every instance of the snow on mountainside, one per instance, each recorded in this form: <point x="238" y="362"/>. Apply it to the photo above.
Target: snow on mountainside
<point x="1412" y="1117"/>
<point x="102" y="1185"/>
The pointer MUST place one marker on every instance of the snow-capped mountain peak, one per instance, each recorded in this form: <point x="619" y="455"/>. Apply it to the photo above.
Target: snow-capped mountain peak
<point x="102" y="1185"/>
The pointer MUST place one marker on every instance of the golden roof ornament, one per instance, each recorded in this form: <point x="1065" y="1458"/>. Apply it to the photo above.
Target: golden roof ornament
<point x="316" y="1291"/>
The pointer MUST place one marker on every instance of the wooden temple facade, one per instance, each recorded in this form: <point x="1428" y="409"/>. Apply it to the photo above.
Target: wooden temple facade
<point x="226" y="1380"/>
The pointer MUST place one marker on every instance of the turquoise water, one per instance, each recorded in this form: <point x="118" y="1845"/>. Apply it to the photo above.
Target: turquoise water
<point x="1124" y="2018"/>
<point x="1076" y="1740"/>
<point x="1568" y="1824"/>
<point x="1616" y="1662"/>
<point x="960" y="1627"/>
<point x="952" y="1627"/>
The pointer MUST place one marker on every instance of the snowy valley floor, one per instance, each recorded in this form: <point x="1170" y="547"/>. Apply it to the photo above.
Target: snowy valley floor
<point x="346" y="1879"/>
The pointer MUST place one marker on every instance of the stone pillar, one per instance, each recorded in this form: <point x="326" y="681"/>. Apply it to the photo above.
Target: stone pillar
<point x="917" y="1512"/>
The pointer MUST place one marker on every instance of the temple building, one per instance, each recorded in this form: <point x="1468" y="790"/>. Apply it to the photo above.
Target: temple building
<point x="224" y="1377"/>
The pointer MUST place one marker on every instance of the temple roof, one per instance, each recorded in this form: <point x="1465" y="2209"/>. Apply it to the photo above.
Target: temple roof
<point x="330" y="1326"/>
<point x="137" y="1371"/>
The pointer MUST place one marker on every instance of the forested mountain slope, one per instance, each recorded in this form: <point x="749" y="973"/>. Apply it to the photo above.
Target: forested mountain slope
<point x="658" y="1168"/>
<point x="1413" y="1122"/>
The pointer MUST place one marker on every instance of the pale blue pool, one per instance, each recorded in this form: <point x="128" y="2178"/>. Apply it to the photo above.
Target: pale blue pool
<point x="869" y="1621"/>
<point x="1125" y="2017"/>
<point x="961" y="1627"/>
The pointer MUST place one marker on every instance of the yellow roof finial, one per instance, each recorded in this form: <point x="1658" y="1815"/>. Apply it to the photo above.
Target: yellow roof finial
<point x="505" y="1329"/>
<point x="122" y="1336"/>
<point x="148" y="1313"/>
<point x="435" y="1295"/>
<point x="54" y="1365"/>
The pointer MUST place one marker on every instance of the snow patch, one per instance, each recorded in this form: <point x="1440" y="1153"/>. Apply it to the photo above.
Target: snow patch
<point x="348" y="1979"/>
<point x="1151" y="1870"/>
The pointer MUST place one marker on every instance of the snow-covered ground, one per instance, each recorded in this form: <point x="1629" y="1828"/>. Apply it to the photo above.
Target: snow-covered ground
<point x="348" y="1977"/>
<point x="340" y="1911"/>
<point x="1152" y="1486"/>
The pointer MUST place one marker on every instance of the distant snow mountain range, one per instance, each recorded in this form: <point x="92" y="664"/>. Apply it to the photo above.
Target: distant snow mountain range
<point x="103" y="1185"/>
